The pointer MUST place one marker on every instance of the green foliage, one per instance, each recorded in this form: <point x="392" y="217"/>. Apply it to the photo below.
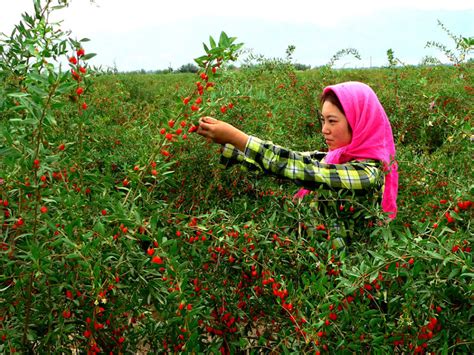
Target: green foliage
<point x="223" y="51"/>
<point x="289" y="51"/>
<point x="341" y="53"/>
<point x="464" y="46"/>
<point x="120" y="233"/>
<point x="301" y="67"/>
<point x="188" y="68"/>
<point x="392" y="60"/>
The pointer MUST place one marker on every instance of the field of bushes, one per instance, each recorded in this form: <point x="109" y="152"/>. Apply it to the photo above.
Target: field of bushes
<point x="120" y="231"/>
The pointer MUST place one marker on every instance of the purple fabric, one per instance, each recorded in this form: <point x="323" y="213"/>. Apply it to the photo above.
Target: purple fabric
<point x="372" y="137"/>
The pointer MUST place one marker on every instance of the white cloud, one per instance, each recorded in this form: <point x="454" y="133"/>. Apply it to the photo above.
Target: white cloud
<point x="155" y="34"/>
<point x="123" y="15"/>
<point x="117" y="16"/>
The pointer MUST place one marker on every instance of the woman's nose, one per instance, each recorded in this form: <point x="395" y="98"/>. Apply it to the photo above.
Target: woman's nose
<point x="325" y="129"/>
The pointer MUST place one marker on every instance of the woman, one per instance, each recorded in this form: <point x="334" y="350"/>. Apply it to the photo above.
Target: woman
<point x="359" y="139"/>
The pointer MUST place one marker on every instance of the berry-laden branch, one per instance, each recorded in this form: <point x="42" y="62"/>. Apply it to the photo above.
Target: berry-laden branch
<point x="197" y="103"/>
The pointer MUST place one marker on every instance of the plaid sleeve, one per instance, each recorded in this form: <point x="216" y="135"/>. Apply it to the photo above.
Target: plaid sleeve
<point x="314" y="154"/>
<point x="231" y="156"/>
<point x="266" y="157"/>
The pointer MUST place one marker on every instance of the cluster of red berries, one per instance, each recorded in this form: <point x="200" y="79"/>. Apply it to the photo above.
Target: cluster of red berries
<point x="181" y="306"/>
<point x="282" y="294"/>
<point x="194" y="106"/>
<point x="198" y="236"/>
<point x="276" y="239"/>
<point x="155" y="259"/>
<point x="373" y="286"/>
<point x="153" y="171"/>
<point x="170" y="136"/>
<point x="466" y="248"/>
<point x="461" y="205"/>
<point x="122" y="227"/>
<point x="76" y="76"/>
<point x="18" y="223"/>
<point x="6" y="211"/>
<point x="200" y="91"/>
<point x="464" y="205"/>
<point x="426" y="333"/>
<point x="226" y="107"/>
<point x="221" y="322"/>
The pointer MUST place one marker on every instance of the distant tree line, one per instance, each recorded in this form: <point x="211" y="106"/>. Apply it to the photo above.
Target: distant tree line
<point x="192" y="68"/>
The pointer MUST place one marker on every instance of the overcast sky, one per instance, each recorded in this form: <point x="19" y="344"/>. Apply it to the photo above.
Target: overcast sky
<point x="150" y="35"/>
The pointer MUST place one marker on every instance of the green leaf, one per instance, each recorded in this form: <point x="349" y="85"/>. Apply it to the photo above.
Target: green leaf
<point x="378" y="340"/>
<point x="38" y="94"/>
<point x="99" y="228"/>
<point x="31" y="335"/>
<point x="6" y="288"/>
<point x="453" y="273"/>
<point x="445" y="350"/>
<point x="200" y="61"/>
<point x="37" y="5"/>
<point x="224" y="40"/>
<point x="417" y="268"/>
<point x="434" y="254"/>
<point x="243" y="343"/>
<point x="373" y="322"/>
<point x="73" y="256"/>
<point x="51" y="120"/>
<point x="18" y="94"/>
<point x="206" y="49"/>
<point x="212" y="42"/>
<point x="376" y="256"/>
<point x="38" y="77"/>
<point x="88" y="56"/>
<point x="35" y="252"/>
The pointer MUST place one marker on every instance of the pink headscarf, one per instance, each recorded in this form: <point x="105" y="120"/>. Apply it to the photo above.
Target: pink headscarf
<point x="372" y="137"/>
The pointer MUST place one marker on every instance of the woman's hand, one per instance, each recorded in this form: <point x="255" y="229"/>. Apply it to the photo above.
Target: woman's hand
<point x="221" y="132"/>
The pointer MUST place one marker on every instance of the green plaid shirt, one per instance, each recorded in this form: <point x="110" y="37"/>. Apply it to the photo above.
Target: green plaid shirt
<point x="307" y="169"/>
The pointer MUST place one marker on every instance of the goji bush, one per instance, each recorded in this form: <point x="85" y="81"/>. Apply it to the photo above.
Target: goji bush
<point x="121" y="233"/>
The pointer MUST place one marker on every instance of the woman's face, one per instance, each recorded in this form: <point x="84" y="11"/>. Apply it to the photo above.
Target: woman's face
<point x="335" y="128"/>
